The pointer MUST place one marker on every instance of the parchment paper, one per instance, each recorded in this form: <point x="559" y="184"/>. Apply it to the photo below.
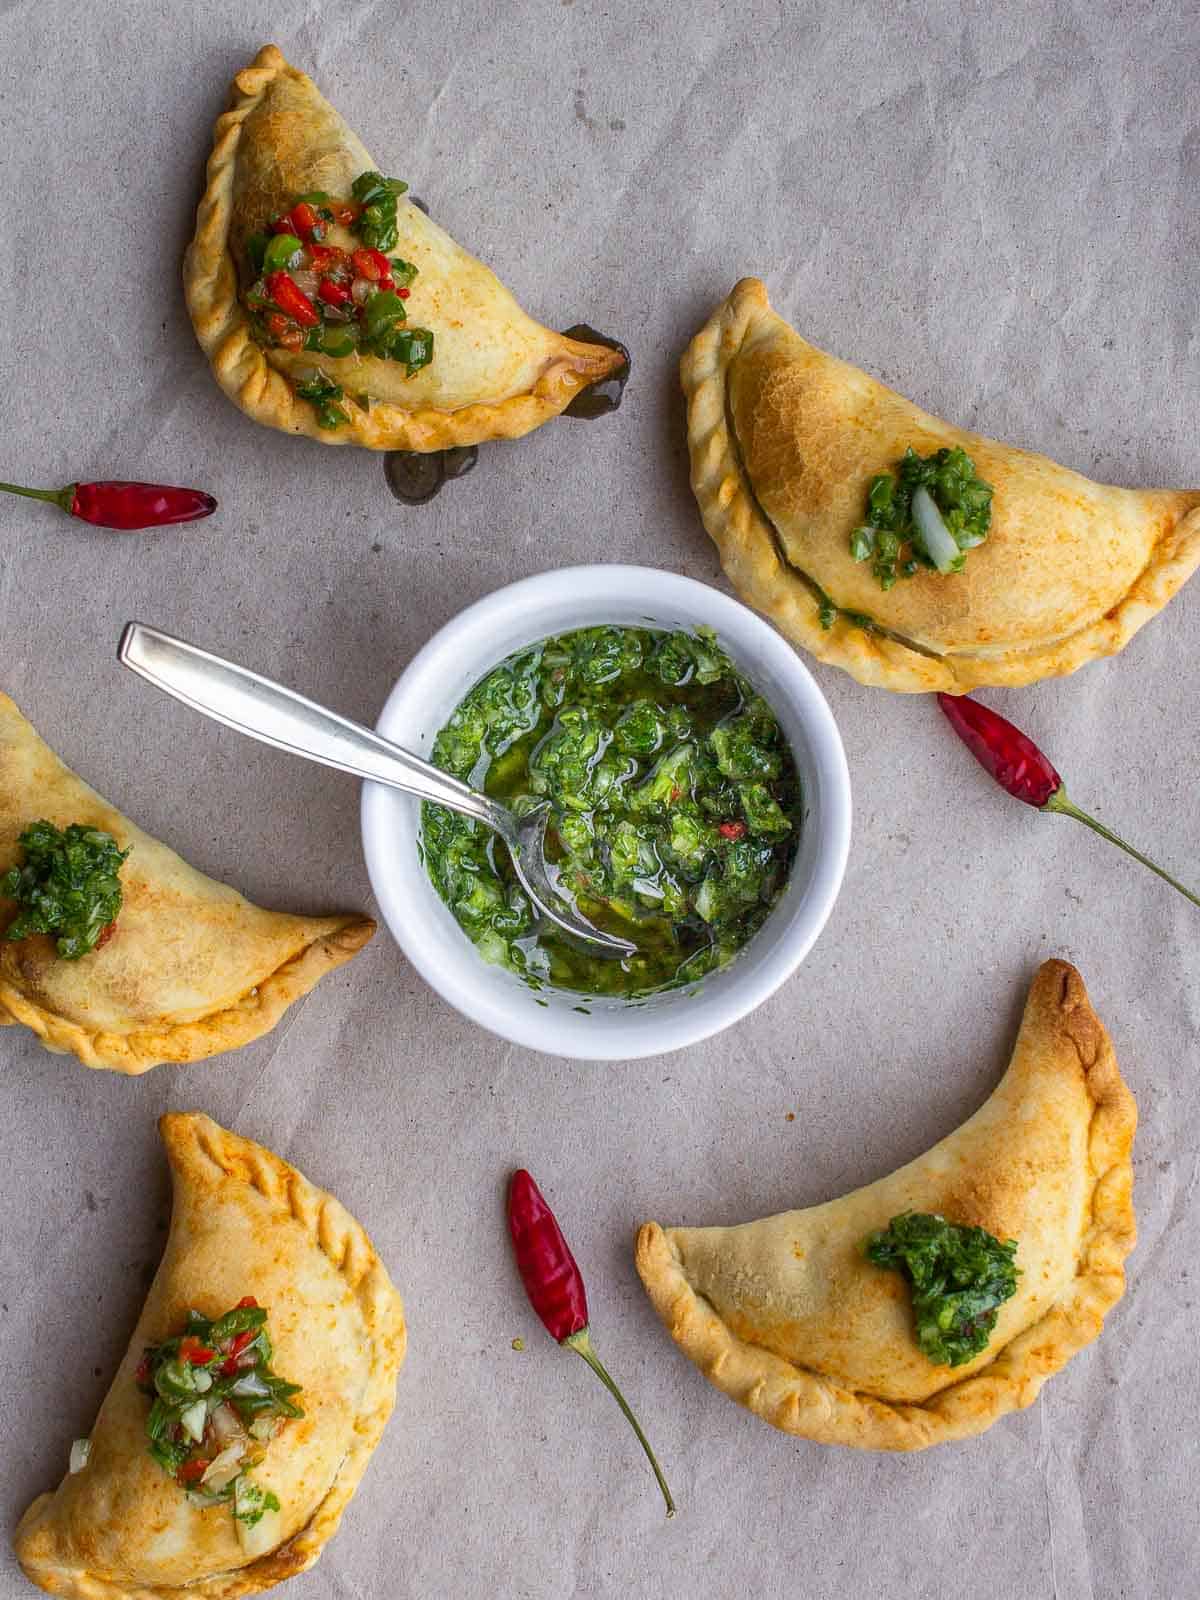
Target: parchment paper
<point x="991" y="206"/>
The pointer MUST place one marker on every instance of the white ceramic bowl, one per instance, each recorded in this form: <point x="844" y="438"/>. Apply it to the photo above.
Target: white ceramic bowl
<point x="461" y="654"/>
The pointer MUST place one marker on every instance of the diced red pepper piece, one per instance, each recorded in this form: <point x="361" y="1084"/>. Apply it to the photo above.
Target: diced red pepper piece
<point x="192" y="1471"/>
<point x="404" y="293"/>
<point x="245" y="1303"/>
<point x="327" y="258"/>
<point x="142" y="1372"/>
<point x="345" y="213"/>
<point x="283" y="225"/>
<point x="731" y="830"/>
<point x="333" y="294"/>
<point x="372" y="264"/>
<point x="285" y="332"/>
<point x="304" y="218"/>
<point x="292" y="300"/>
<point x="191" y="1350"/>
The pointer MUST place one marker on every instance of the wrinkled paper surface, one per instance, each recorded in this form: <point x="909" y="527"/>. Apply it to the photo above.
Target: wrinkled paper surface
<point x="993" y="207"/>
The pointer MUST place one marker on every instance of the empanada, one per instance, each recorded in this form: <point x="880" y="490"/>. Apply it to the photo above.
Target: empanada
<point x="785" y="442"/>
<point x="788" y="1317"/>
<point x="494" y="372"/>
<point x="192" y="968"/>
<point x="244" y="1223"/>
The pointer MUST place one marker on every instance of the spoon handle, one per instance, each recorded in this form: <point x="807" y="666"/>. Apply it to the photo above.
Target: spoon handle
<point x="266" y="711"/>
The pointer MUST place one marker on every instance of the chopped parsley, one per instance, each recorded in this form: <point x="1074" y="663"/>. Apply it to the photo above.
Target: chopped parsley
<point x="216" y="1404"/>
<point x="924" y="517"/>
<point x="959" y="1276"/>
<point x="69" y="886"/>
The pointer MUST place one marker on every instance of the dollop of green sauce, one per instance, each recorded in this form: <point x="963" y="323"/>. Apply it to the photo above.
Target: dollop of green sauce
<point x="960" y="1276"/>
<point x="675" y="806"/>
<point x="68" y="885"/>
<point x="891" y="540"/>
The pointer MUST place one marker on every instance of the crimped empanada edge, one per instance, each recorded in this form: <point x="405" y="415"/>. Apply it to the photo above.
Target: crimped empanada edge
<point x="810" y="1405"/>
<point x="749" y="552"/>
<point x="200" y="1151"/>
<point x="247" y="377"/>
<point x="334" y="941"/>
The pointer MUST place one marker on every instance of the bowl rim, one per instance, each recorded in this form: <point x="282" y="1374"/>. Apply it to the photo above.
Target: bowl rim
<point x="564" y="1033"/>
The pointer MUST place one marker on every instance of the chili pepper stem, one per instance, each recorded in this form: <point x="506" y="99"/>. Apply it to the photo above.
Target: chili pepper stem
<point x="57" y="497"/>
<point x="1058" y="802"/>
<point x="581" y="1343"/>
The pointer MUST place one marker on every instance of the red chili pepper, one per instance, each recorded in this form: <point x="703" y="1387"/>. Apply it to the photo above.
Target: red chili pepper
<point x="195" y="1353"/>
<point x="1019" y="766"/>
<point x="333" y="294"/>
<point x="291" y="299"/>
<point x="192" y="1471"/>
<point x="555" y="1288"/>
<point x="116" y="503"/>
<point x="731" y="830"/>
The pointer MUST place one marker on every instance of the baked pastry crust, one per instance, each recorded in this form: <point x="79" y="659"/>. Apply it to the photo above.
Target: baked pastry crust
<point x="496" y="374"/>
<point x="192" y="969"/>
<point x="784" y="440"/>
<point x="789" y="1318"/>
<point x="243" y="1221"/>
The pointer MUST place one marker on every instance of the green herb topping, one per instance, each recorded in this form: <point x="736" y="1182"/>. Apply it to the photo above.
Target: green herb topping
<point x="304" y="292"/>
<point x="216" y="1406"/>
<point x="959" y="1276"/>
<point x="324" y="394"/>
<point x="927" y="516"/>
<point x="675" y="806"/>
<point x="377" y="195"/>
<point x="69" y="885"/>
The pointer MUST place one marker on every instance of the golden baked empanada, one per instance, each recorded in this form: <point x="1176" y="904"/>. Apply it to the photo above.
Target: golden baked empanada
<point x="245" y="1226"/>
<point x="489" y="371"/>
<point x="191" y="967"/>
<point x="790" y="1318"/>
<point x="785" y="443"/>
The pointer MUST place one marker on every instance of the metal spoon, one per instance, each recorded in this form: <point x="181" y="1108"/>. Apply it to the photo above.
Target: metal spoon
<point x="253" y="705"/>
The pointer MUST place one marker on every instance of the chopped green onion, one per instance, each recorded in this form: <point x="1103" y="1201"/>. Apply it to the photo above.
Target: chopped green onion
<point x="932" y="533"/>
<point x="256" y="250"/>
<point x="280" y="252"/>
<point x="862" y="543"/>
<point x="193" y="1418"/>
<point x="81" y="1449"/>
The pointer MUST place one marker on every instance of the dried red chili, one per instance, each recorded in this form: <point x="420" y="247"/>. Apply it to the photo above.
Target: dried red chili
<point x="1019" y="767"/>
<point x="116" y="503"/>
<point x="556" y="1292"/>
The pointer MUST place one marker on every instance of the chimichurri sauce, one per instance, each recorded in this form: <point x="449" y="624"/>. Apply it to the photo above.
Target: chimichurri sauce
<point x="675" y="806"/>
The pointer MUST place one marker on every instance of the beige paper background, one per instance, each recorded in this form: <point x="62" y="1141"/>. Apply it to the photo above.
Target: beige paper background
<point x="991" y="206"/>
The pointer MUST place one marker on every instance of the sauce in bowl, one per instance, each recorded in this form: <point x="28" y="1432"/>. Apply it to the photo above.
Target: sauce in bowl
<point x="675" y="806"/>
